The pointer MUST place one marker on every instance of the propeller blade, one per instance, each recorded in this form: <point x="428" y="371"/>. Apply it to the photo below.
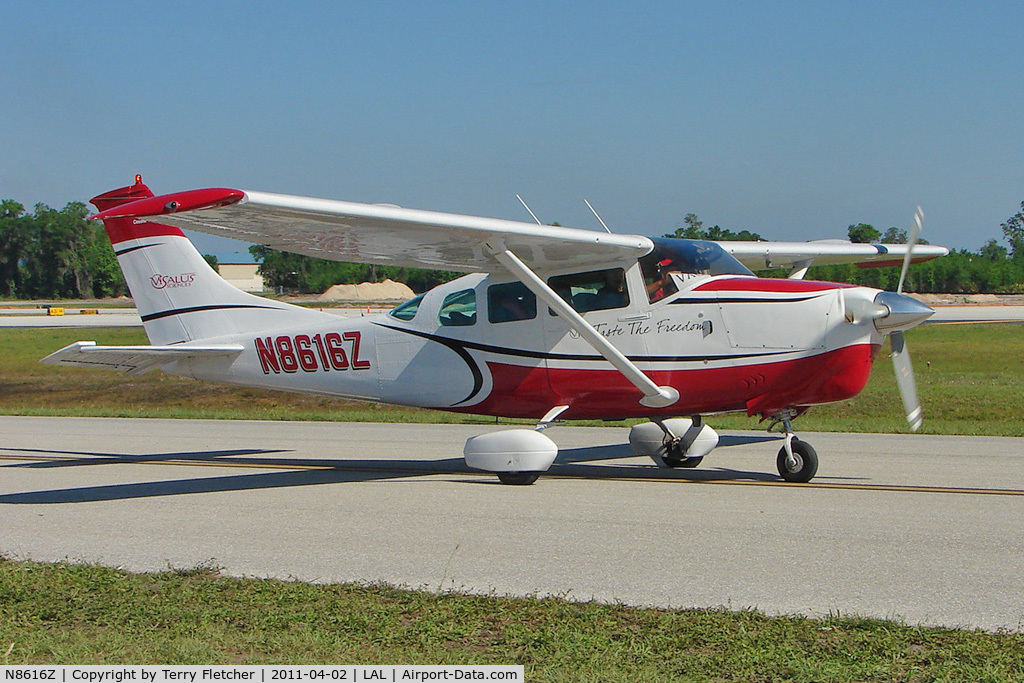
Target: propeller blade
<point x="905" y="380"/>
<point x="915" y="232"/>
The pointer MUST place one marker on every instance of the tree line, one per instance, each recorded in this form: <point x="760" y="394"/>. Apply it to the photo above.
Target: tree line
<point x="51" y="254"/>
<point x="295" y="273"/>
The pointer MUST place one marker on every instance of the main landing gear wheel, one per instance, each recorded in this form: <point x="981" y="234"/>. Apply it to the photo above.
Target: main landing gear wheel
<point x="518" y="478"/>
<point x="681" y="462"/>
<point x="674" y="458"/>
<point x="805" y="464"/>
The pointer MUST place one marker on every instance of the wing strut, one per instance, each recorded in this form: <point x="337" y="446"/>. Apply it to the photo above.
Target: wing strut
<point x="654" y="396"/>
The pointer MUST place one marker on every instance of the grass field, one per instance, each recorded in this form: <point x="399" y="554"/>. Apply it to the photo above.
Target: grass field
<point x="77" y="614"/>
<point x="970" y="378"/>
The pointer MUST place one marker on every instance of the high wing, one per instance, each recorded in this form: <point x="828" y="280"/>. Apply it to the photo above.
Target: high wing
<point x="378" y="233"/>
<point x="390" y="235"/>
<point x="134" y="360"/>
<point x="797" y="255"/>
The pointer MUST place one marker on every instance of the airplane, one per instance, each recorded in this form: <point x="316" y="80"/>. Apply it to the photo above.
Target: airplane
<point x="550" y="323"/>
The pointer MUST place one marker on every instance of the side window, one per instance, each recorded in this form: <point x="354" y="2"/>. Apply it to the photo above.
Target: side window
<point x="596" y="290"/>
<point x="510" y="301"/>
<point x="657" y="274"/>
<point x="407" y="311"/>
<point x="458" y="309"/>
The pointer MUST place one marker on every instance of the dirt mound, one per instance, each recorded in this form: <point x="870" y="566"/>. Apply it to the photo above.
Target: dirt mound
<point x="970" y="299"/>
<point x="389" y="290"/>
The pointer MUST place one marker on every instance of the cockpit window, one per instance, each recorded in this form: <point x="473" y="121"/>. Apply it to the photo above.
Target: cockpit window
<point x="689" y="257"/>
<point x="596" y="290"/>
<point x="407" y="311"/>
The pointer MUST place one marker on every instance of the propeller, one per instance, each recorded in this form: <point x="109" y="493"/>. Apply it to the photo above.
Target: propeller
<point x="905" y="380"/>
<point x="900" y="354"/>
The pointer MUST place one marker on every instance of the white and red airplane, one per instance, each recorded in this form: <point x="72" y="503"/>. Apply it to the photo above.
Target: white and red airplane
<point x="551" y="323"/>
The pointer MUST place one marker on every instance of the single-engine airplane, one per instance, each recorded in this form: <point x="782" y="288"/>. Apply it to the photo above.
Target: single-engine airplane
<point x="550" y="323"/>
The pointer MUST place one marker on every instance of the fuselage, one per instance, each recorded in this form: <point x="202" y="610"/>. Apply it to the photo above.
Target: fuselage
<point x="480" y="345"/>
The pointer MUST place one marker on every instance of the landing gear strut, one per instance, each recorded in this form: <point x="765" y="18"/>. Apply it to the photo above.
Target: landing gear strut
<point x="797" y="461"/>
<point x="676" y="446"/>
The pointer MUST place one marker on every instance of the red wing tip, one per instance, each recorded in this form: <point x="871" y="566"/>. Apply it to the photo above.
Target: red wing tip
<point x="177" y="202"/>
<point x="896" y="262"/>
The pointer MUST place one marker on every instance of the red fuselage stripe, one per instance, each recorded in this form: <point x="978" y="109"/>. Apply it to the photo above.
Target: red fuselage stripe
<point x="778" y="285"/>
<point x="529" y="392"/>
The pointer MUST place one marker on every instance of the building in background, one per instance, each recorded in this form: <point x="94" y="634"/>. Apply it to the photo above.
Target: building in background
<point x="240" y="269"/>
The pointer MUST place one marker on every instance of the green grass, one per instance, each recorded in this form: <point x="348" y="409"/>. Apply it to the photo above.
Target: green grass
<point x="79" y="614"/>
<point x="30" y="388"/>
<point x="970" y="379"/>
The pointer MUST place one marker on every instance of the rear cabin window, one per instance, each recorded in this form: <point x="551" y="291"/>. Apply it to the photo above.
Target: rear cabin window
<point x="510" y="302"/>
<point x="596" y="290"/>
<point x="458" y="309"/>
<point x="407" y="311"/>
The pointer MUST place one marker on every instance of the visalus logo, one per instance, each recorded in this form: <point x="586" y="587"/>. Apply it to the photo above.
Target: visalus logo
<point x="164" y="281"/>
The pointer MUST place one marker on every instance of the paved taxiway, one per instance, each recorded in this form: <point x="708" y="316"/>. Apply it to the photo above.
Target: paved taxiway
<point x="925" y="528"/>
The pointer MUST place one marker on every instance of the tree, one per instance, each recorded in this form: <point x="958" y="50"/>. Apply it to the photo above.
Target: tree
<point x="59" y="266"/>
<point x="15" y="239"/>
<point x="55" y="254"/>
<point x="894" y="236"/>
<point x="1013" y="231"/>
<point x="693" y="229"/>
<point x="10" y="209"/>
<point x="993" y="251"/>
<point x="864" y="233"/>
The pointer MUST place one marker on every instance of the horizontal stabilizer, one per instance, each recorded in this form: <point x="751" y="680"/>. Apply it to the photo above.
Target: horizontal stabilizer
<point x="134" y="360"/>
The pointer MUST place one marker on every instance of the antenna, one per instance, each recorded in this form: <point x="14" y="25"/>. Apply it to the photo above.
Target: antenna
<point x="594" y="211"/>
<point x="529" y="209"/>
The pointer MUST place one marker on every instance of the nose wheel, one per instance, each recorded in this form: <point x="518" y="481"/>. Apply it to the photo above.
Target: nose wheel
<point x="797" y="461"/>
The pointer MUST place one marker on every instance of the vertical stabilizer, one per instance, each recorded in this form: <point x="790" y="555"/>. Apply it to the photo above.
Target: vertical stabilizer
<point x="178" y="295"/>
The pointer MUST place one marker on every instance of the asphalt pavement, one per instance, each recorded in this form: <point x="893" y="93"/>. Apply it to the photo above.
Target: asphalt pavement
<point x="922" y="528"/>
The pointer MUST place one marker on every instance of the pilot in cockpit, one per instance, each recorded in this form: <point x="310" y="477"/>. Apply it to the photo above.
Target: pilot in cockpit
<point x="663" y="285"/>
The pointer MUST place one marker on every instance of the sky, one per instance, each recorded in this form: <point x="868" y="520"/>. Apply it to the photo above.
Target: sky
<point x="790" y="119"/>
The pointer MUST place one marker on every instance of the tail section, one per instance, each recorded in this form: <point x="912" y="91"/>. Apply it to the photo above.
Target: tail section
<point x="178" y="295"/>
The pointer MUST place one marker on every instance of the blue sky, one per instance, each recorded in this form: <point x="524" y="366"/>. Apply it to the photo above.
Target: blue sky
<point x="791" y="119"/>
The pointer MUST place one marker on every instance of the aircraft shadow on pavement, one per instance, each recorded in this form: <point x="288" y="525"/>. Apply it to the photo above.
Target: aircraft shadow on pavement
<point x="584" y="462"/>
<point x="94" y="458"/>
<point x="581" y="462"/>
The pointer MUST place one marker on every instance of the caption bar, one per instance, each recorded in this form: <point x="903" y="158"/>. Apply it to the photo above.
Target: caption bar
<point x="260" y="674"/>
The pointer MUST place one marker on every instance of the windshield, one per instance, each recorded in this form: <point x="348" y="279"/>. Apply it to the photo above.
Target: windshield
<point x="691" y="257"/>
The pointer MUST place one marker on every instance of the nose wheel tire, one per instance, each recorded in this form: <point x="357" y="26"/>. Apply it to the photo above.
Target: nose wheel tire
<point x="518" y="478"/>
<point x="805" y="466"/>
